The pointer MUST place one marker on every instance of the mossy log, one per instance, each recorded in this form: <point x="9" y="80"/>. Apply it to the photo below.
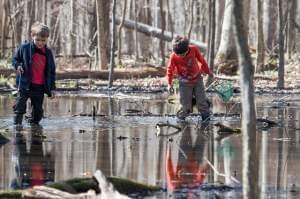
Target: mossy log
<point x="11" y="194"/>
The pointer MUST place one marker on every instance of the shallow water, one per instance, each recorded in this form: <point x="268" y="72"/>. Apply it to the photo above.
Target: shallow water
<point x="72" y="144"/>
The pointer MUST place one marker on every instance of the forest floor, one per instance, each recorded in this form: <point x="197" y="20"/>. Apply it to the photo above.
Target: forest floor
<point x="78" y="75"/>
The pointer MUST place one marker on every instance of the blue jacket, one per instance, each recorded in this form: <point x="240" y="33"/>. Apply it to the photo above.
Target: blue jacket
<point x="23" y="57"/>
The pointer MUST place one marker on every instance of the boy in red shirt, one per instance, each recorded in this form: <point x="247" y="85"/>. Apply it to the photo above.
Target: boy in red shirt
<point x="188" y="65"/>
<point x="35" y="67"/>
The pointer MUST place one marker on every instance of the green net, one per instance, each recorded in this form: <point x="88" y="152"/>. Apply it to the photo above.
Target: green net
<point x="224" y="90"/>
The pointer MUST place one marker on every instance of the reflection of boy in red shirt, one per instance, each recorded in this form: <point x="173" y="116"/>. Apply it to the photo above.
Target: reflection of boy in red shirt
<point x="189" y="169"/>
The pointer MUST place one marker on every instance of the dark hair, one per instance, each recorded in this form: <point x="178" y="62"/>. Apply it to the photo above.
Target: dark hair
<point x="180" y="44"/>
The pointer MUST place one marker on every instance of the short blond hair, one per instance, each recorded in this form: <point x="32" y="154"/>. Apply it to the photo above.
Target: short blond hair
<point x="40" y="29"/>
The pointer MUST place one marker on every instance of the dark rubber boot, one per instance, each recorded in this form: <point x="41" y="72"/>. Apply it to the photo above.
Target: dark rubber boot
<point x="18" y="119"/>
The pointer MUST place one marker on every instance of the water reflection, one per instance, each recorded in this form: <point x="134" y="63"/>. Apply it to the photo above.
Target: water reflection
<point x="33" y="164"/>
<point x="190" y="167"/>
<point x="76" y="146"/>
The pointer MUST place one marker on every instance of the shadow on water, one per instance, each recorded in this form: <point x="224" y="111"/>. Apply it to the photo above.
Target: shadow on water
<point x="190" y="163"/>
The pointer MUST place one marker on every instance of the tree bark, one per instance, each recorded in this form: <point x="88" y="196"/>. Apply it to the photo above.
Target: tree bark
<point x="291" y="40"/>
<point x="120" y="32"/>
<point x="163" y="27"/>
<point x="260" y="49"/>
<point x="212" y="28"/>
<point x="269" y="22"/>
<point x="280" y="83"/>
<point x="112" y="52"/>
<point x="192" y="19"/>
<point x="220" y="6"/>
<point x="227" y="49"/>
<point x="102" y="7"/>
<point x="250" y="160"/>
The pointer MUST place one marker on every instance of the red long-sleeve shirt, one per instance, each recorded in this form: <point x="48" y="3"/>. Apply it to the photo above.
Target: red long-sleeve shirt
<point x="187" y="67"/>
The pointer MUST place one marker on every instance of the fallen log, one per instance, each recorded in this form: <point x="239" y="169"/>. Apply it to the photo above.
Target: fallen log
<point x="82" y="186"/>
<point x="138" y="72"/>
<point x="156" y="32"/>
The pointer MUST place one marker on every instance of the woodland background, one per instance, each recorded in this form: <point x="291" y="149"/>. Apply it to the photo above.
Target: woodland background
<point x="140" y="31"/>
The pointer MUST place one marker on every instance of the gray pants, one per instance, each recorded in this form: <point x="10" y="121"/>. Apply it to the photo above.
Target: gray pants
<point x="186" y="93"/>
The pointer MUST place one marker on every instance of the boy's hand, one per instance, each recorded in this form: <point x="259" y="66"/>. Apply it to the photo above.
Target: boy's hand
<point x="170" y="89"/>
<point x="20" y="70"/>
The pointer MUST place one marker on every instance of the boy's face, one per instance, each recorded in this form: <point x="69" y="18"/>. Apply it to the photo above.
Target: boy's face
<point x="39" y="41"/>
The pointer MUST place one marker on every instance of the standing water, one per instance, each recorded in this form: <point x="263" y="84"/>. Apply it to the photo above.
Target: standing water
<point x="80" y="134"/>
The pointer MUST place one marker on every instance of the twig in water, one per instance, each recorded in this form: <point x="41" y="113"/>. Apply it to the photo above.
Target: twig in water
<point x="221" y="174"/>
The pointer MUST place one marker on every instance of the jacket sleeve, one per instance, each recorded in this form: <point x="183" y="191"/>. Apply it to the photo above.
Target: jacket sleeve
<point x="170" y="69"/>
<point x="201" y="59"/>
<point x="17" y="59"/>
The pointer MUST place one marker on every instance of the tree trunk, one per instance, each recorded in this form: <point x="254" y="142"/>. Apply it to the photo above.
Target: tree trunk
<point x="220" y="6"/>
<point x="250" y="160"/>
<point x="212" y="30"/>
<point x="3" y="26"/>
<point x="291" y="40"/>
<point x="170" y="20"/>
<point x="129" y="33"/>
<point x="260" y="49"/>
<point x="120" y="32"/>
<point x="145" y="46"/>
<point x="102" y="7"/>
<point x="227" y="49"/>
<point x="269" y="22"/>
<point x="280" y="83"/>
<point x="112" y="52"/>
<point x="192" y="19"/>
<point x="136" y="52"/>
<point x="163" y="27"/>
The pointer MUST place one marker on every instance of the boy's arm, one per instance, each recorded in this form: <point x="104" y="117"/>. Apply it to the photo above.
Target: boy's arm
<point x="201" y="59"/>
<point x="170" y="74"/>
<point x="170" y="70"/>
<point x="17" y="59"/>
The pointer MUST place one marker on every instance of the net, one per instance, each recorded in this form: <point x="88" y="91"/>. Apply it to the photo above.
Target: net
<point x="224" y="89"/>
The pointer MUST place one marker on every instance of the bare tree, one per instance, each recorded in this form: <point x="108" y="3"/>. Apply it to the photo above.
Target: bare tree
<point x="112" y="49"/>
<point x="227" y="50"/>
<point x="192" y="19"/>
<point x="211" y="41"/>
<point x="102" y="7"/>
<point x="280" y="83"/>
<point x="260" y="48"/>
<point x="269" y="22"/>
<point x="250" y="160"/>
<point x="170" y="20"/>
<point x="163" y="26"/>
<point x="220" y="6"/>
<point x="120" y="32"/>
<point x="291" y="34"/>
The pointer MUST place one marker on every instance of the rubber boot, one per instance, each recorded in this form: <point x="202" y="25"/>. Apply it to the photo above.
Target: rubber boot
<point x="18" y="119"/>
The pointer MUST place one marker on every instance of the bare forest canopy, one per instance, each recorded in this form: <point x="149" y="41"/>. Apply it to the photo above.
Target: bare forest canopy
<point x="144" y="28"/>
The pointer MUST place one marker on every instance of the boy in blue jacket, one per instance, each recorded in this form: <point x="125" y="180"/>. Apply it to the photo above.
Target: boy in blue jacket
<point x="35" y="67"/>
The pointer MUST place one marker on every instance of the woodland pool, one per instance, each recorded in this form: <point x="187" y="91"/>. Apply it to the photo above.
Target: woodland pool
<point x="121" y="140"/>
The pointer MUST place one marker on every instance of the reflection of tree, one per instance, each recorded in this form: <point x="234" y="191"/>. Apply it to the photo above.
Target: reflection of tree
<point x="31" y="165"/>
<point x="190" y="168"/>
